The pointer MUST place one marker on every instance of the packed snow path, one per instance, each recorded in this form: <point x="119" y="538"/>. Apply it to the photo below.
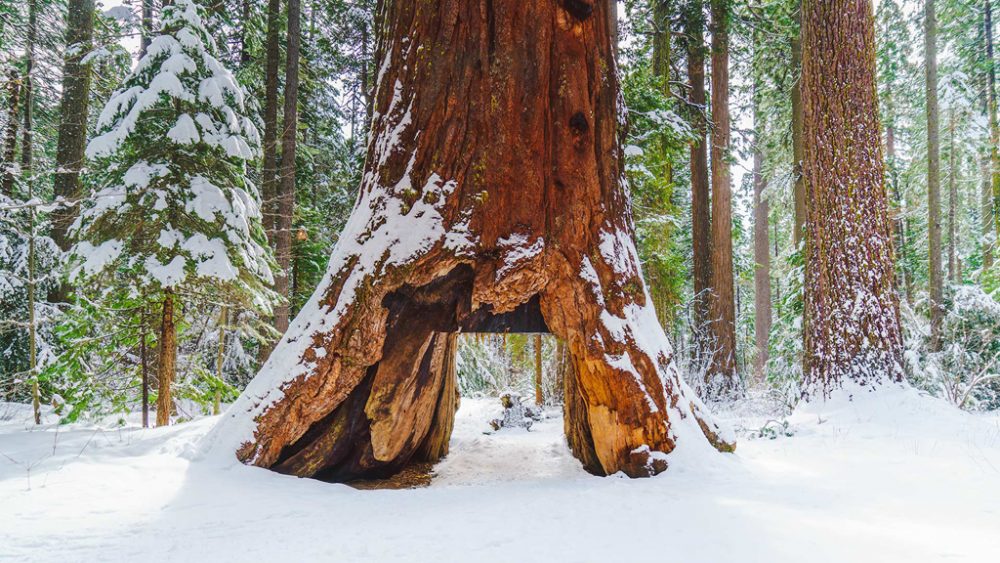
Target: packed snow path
<point x="898" y="478"/>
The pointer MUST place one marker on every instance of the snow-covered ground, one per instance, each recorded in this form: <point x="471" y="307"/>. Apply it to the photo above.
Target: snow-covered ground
<point x="893" y="477"/>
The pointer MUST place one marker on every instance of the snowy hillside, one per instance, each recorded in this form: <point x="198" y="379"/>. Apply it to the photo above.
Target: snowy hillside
<point x="873" y="480"/>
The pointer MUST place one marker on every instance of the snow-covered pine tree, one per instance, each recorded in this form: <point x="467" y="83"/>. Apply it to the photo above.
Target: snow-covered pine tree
<point x="174" y="216"/>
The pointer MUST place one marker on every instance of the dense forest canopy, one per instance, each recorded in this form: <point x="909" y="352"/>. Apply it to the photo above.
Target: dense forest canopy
<point x="174" y="176"/>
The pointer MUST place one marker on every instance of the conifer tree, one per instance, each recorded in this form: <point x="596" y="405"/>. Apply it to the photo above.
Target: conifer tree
<point x="174" y="216"/>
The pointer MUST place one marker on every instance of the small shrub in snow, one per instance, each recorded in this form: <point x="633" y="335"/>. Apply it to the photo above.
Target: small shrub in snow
<point x="966" y="371"/>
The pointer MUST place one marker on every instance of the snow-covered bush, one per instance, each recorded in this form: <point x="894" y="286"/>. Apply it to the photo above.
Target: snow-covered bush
<point x="23" y="259"/>
<point x="966" y="371"/>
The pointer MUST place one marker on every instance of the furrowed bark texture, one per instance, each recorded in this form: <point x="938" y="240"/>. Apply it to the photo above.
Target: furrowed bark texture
<point x="722" y="372"/>
<point x="762" y="268"/>
<point x="72" y="116"/>
<point x="491" y="201"/>
<point x="168" y="361"/>
<point x="935" y="273"/>
<point x="851" y="307"/>
<point x="286" y="181"/>
<point x="701" y="241"/>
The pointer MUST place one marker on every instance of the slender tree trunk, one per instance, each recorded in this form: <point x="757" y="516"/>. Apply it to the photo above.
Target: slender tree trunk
<point x="244" y="31"/>
<point x="762" y="259"/>
<point x="32" y="320"/>
<point x="991" y="93"/>
<point x="852" y="329"/>
<point x="72" y="120"/>
<point x="220" y="357"/>
<point x="143" y="353"/>
<point x="146" y="28"/>
<point x="269" y="172"/>
<point x="723" y="369"/>
<point x="935" y="274"/>
<point x="27" y="154"/>
<point x="286" y="187"/>
<point x="7" y="174"/>
<point x="953" y="267"/>
<point x="168" y="358"/>
<point x="799" y="189"/>
<point x="539" y="395"/>
<point x="701" y="240"/>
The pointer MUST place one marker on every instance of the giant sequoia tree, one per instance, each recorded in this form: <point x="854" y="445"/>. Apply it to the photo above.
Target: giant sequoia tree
<point x="492" y="200"/>
<point x="851" y="306"/>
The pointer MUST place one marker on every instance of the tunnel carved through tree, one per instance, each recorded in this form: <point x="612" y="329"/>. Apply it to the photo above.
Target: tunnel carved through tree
<point x="493" y="199"/>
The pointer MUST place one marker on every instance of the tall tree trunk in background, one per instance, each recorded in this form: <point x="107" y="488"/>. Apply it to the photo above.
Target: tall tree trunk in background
<point x="269" y="170"/>
<point x="723" y="370"/>
<point x="492" y="186"/>
<point x="7" y="173"/>
<point x="935" y="274"/>
<point x="761" y="251"/>
<point x="244" y="31"/>
<point x="286" y="185"/>
<point x="991" y="93"/>
<point x="659" y="287"/>
<point x="851" y="305"/>
<point x="799" y="189"/>
<point x="146" y="27"/>
<point x="27" y="150"/>
<point x="762" y="269"/>
<point x="953" y="267"/>
<point x="168" y="359"/>
<point x="72" y="119"/>
<point x="144" y="366"/>
<point x="701" y="241"/>
<point x="539" y="395"/>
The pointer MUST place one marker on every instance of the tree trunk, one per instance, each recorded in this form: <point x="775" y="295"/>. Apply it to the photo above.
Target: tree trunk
<point x="168" y="358"/>
<point x="539" y="395"/>
<point x="799" y="189"/>
<point x="27" y="153"/>
<point x="722" y="374"/>
<point x="477" y="213"/>
<point x="146" y="27"/>
<point x="286" y="185"/>
<point x="935" y="274"/>
<point x="762" y="259"/>
<point x="953" y="267"/>
<point x="220" y="358"/>
<point x="72" y="118"/>
<point x="900" y="223"/>
<point x="7" y="175"/>
<point x="991" y="92"/>
<point x="269" y="171"/>
<point x="852" y="329"/>
<point x="700" y="212"/>
<point x="145" y="371"/>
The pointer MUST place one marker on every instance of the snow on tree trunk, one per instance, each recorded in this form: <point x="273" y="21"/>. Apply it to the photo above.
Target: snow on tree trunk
<point x="851" y="306"/>
<point x="492" y="199"/>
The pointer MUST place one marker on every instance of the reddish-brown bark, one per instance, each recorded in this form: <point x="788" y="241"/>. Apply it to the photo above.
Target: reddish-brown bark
<point x="701" y="241"/>
<point x="492" y="200"/>
<point x="722" y="372"/>
<point x="851" y="306"/>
